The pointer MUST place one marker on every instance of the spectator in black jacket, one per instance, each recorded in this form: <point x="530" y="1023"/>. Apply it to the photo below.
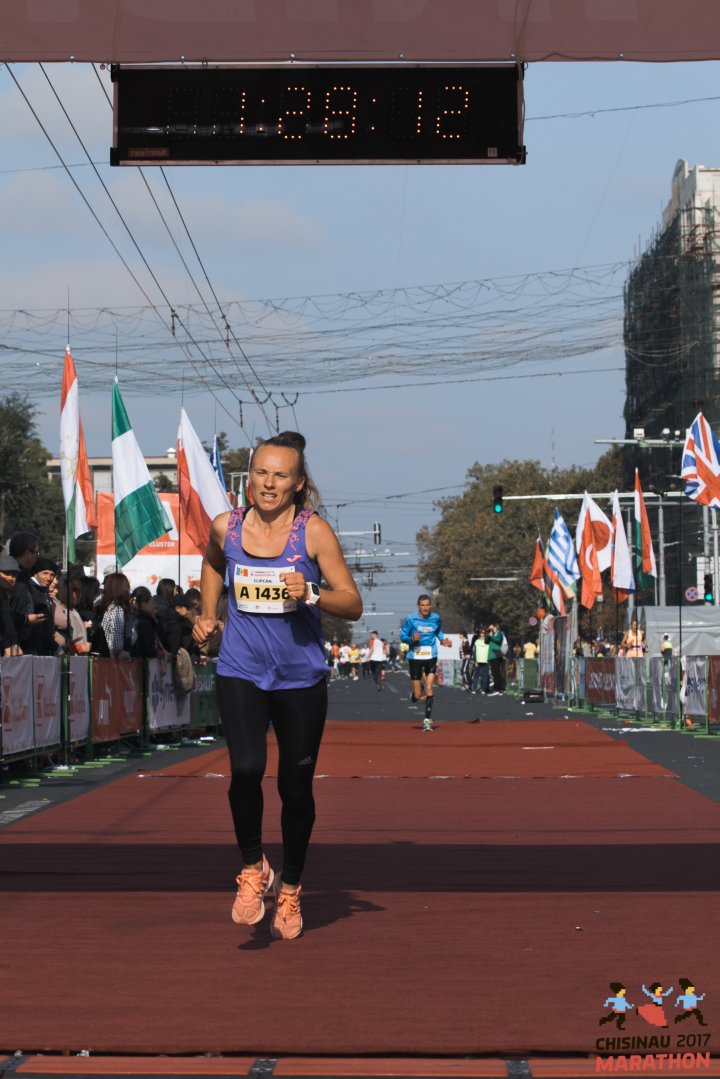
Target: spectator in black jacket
<point x="30" y="608"/>
<point x="170" y="630"/>
<point x="184" y="610"/>
<point x="144" y="642"/>
<point x="9" y="570"/>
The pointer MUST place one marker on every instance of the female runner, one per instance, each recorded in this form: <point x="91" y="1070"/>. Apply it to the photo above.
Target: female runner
<point x="272" y="667"/>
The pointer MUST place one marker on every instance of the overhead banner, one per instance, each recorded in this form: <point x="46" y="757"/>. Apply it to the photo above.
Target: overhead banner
<point x="167" y="709"/>
<point x="79" y="699"/>
<point x="173" y="556"/>
<point x="47" y="711"/>
<point x="16" y="685"/>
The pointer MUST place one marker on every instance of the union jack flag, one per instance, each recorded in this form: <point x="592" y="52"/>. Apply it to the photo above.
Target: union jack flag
<point x="701" y="463"/>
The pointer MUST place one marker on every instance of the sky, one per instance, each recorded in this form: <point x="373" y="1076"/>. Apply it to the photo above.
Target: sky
<point x="395" y="399"/>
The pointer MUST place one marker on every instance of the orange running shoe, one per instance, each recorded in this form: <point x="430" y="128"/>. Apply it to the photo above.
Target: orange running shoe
<point x="253" y="884"/>
<point x="287" y="920"/>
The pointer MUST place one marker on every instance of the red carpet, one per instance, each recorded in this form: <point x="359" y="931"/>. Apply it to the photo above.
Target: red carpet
<point x="443" y="917"/>
<point x="542" y="748"/>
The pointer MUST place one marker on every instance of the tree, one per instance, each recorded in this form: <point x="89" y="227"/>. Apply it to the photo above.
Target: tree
<point x="237" y="460"/>
<point x="472" y="541"/>
<point x="163" y="484"/>
<point x="29" y="501"/>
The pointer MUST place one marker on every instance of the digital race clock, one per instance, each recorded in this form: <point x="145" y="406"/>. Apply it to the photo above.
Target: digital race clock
<point x="306" y="115"/>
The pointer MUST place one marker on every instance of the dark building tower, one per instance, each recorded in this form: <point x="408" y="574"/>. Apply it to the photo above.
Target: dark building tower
<point x="672" y="349"/>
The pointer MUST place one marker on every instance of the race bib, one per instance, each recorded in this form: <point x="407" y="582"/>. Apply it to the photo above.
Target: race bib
<point x="259" y="590"/>
<point x="422" y="651"/>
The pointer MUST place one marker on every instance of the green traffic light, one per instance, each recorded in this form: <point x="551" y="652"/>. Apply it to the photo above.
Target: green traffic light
<point x="498" y="507"/>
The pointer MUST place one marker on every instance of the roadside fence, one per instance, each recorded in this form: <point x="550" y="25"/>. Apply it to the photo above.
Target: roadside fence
<point x="52" y="703"/>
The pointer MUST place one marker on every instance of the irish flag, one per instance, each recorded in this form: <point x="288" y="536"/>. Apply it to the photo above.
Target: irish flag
<point x="645" y="556"/>
<point x="202" y="496"/>
<point x="139" y="517"/>
<point x="77" y="486"/>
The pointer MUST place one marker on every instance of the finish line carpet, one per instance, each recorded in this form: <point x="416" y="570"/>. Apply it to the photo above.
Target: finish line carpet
<point x="483" y="913"/>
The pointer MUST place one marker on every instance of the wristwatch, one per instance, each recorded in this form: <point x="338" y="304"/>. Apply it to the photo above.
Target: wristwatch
<point x="312" y="593"/>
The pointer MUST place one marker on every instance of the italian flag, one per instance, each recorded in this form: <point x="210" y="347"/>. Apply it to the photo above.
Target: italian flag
<point x="139" y="517"/>
<point x="77" y="486"/>
<point x="202" y="496"/>
<point x="645" y="556"/>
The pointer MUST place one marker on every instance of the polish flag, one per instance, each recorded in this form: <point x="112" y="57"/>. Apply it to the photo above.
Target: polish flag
<point x="621" y="572"/>
<point x="75" y="476"/>
<point x="588" y="558"/>
<point x="202" y="496"/>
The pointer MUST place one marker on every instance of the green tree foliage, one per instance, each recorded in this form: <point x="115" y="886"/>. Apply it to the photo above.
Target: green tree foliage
<point x="471" y="540"/>
<point x="29" y="502"/>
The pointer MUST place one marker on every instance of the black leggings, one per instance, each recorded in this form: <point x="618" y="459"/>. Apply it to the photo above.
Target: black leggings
<point x="298" y="719"/>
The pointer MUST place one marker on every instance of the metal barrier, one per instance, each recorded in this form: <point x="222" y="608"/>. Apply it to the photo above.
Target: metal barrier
<point x="50" y="704"/>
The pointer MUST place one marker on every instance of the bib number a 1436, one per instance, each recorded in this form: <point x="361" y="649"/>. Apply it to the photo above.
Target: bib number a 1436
<point x="259" y="590"/>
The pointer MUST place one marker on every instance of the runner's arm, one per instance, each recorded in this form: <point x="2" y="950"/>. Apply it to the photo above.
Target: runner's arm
<point x="212" y="579"/>
<point x="341" y="598"/>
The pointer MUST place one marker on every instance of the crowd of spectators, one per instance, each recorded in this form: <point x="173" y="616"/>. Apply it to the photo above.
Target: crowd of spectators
<point x="46" y="612"/>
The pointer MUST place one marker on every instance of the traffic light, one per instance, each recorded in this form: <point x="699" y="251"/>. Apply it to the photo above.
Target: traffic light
<point x="377" y="533"/>
<point x="708" y="592"/>
<point x="497" y="498"/>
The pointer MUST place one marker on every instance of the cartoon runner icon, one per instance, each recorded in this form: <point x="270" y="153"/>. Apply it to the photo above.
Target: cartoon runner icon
<point x="653" y="1013"/>
<point x="689" y="1002"/>
<point x="619" y="1006"/>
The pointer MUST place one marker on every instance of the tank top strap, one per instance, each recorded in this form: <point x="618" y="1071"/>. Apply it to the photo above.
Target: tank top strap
<point x="233" y="536"/>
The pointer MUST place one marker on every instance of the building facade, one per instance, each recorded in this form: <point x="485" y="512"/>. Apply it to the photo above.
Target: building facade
<point x="672" y="357"/>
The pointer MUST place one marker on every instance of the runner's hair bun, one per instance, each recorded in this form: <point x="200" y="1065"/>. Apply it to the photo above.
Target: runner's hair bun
<point x="294" y="438"/>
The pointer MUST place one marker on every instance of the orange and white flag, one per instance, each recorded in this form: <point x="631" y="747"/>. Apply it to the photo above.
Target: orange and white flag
<point x="588" y="558"/>
<point x="75" y="476"/>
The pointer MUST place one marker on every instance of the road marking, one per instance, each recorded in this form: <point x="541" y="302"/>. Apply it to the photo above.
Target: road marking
<point x="11" y="815"/>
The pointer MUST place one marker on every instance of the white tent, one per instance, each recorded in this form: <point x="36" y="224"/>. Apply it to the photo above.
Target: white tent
<point x="698" y="625"/>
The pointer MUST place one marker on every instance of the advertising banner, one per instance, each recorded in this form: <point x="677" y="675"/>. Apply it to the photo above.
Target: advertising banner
<point x="547" y="654"/>
<point x="663" y="686"/>
<point x="600" y="681"/>
<point x="116" y="698"/>
<point x="16" y="682"/>
<point x="167" y="709"/>
<point x="713" y="690"/>
<point x="630" y="684"/>
<point x="79" y="699"/>
<point x="172" y="555"/>
<point x="46" y="679"/>
<point x="203" y="703"/>
<point x="695" y="703"/>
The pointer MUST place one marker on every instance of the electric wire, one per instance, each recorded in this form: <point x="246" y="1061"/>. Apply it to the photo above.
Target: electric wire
<point x="120" y="215"/>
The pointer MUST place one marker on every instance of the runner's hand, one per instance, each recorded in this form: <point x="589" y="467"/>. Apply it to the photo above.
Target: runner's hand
<point x="295" y="583"/>
<point x="204" y="629"/>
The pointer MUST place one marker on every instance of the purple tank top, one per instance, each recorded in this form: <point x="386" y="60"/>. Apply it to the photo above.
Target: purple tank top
<point x="265" y="641"/>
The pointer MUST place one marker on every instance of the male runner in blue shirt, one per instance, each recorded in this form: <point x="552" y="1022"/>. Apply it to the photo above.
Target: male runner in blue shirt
<point x="422" y="631"/>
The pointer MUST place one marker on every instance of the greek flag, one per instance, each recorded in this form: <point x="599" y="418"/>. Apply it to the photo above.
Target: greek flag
<point x="561" y="554"/>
